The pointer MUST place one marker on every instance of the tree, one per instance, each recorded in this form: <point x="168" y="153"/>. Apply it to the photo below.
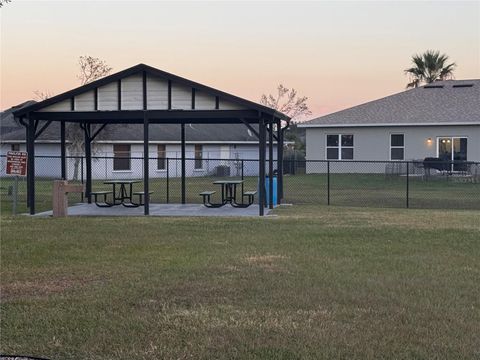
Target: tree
<point x="91" y="69"/>
<point x="290" y="103"/>
<point x="429" y="67"/>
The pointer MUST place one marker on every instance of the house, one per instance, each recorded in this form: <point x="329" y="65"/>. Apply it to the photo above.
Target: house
<point x="119" y="151"/>
<point x="440" y="120"/>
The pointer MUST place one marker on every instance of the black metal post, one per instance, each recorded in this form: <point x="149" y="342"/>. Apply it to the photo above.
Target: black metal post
<point x="270" y="165"/>
<point x="88" y="164"/>
<point x="261" y="167"/>
<point x="168" y="181"/>
<point x="27" y="149"/>
<point x="183" y="163"/>
<point x="81" y="174"/>
<point x="146" y="174"/>
<point x="31" y="164"/>
<point x="242" y="179"/>
<point x="62" y="151"/>
<point x="328" y="182"/>
<point x="279" y="162"/>
<point x="408" y="186"/>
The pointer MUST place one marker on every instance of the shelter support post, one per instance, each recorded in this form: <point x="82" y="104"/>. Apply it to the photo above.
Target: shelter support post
<point x="88" y="162"/>
<point x="146" y="172"/>
<point x="183" y="162"/>
<point x="62" y="151"/>
<point x="270" y="165"/>
<point x="279" y="161"/>
<point x="261" y="167"/>
<point x="31" y="164"/>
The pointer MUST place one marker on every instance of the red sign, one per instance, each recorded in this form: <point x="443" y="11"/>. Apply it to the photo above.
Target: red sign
<point x="17" y="163"/>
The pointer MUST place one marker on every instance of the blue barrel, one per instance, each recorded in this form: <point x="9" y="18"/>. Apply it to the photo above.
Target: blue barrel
<point x="267" y="190"/>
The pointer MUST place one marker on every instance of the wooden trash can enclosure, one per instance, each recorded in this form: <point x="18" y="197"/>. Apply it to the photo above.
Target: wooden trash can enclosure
<point x="60" y="200"/>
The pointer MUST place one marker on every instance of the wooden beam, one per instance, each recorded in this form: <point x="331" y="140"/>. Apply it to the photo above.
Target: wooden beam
<point x="114" y="116"/>
<point x="95" y="98"/>
<point x="144" y="90"/>
<point x="119" y="94"/>
<point x="169" y="95"/>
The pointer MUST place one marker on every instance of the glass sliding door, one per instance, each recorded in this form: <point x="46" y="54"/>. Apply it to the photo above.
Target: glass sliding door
<point x="453" y="149"/>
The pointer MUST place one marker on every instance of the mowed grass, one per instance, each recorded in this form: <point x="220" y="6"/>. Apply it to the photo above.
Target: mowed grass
<point x="369" y="190"/>
<point x="313" y="282"/>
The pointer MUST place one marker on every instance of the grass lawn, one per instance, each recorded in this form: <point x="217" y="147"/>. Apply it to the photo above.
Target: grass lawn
<point x="313" y="282"/>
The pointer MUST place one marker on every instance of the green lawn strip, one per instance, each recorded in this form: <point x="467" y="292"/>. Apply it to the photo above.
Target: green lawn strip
<point x="371" y="190"/>
<point x="314" y="282"/>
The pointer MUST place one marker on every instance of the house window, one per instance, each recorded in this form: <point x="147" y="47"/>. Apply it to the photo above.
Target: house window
<point x="15" y="147"/>
<point x="161" y="161"/>
<point x="198" y="157"/>
<point x="339" y="147"/>
<point x="397" y="147"/>
<point x="121" y="157"/>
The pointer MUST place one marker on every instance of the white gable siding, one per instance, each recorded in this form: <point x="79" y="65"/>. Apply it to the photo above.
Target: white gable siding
<point x="157" y="93"/>
<point x="85" y="101"/>
<point x="108" y="97"/>
<point x="227" y="105"/>
<point x="60" y="106"/>
<point x="204" y="101"/>
<point x="132" y="93"/>
<point x="181" y="97"/>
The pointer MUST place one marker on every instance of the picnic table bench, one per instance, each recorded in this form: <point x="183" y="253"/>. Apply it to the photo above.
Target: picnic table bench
<point x="229" y="195"/>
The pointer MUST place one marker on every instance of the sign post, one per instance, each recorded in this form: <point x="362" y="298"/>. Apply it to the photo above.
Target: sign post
<point x="17" y="166"/>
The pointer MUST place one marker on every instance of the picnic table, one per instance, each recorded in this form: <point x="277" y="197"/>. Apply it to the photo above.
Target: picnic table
<point x="229" y="194"/>
<point x="124" y="196"/>
<point x="229" y="190"/>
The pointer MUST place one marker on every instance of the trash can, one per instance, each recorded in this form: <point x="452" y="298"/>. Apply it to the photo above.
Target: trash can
<point x="267" y="190"/>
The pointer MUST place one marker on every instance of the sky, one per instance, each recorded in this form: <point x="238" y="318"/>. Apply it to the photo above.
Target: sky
<point x="337" y="53"/>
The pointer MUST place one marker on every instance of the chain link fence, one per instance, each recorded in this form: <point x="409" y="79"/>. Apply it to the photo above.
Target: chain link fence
<point x="401" y="184"/>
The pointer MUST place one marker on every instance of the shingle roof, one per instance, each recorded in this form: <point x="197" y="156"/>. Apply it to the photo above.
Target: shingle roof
<point x="218" y="133"/>
<point x="442" y="102"/>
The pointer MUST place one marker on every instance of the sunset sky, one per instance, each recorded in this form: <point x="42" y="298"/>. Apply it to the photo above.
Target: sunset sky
<point x="338" y="54"/>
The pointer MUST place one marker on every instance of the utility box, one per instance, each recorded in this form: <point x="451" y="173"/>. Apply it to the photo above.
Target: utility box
<point x="222" y="171"/>
<point x="267" y="190"/>
<point x="61" y="188"/>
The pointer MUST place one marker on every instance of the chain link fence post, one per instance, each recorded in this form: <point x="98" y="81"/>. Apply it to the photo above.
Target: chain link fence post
<point x="328" y="182"/>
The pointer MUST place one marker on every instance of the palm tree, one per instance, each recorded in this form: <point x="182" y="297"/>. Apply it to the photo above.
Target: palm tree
<point x="429" y="67"/>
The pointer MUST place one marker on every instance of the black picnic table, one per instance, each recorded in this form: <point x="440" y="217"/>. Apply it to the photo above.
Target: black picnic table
<point x="123" y="193"/>
<point x="229" y="190"/>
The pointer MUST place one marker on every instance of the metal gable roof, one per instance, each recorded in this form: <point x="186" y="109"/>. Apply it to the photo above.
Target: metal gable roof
<point x="154" y="72"/>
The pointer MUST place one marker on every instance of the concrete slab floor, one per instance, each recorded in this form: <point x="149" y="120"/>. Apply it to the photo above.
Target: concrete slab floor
<point x="159" y="210"/>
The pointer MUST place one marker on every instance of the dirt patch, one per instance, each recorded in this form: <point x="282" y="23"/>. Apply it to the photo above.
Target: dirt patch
<point x="267" y="262"/>
<point x="40" y="288"/>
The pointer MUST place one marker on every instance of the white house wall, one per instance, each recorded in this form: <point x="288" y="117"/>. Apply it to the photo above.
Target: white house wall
<point x="204" y="101"/>
<point x="108" y="97"/>
<point x="373" y="143"/>
<point x="157" y="93"/>
<point x="132" y="92"/>
<point x="131" y="89"/>
<point x="85" y="101"/>
<point x="64" y="105"/>
<point x="181" y="96"/>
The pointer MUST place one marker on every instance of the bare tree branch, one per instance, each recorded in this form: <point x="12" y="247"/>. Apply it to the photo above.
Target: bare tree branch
<point x="288" y="102"/>
<point x="92" y="69"/>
